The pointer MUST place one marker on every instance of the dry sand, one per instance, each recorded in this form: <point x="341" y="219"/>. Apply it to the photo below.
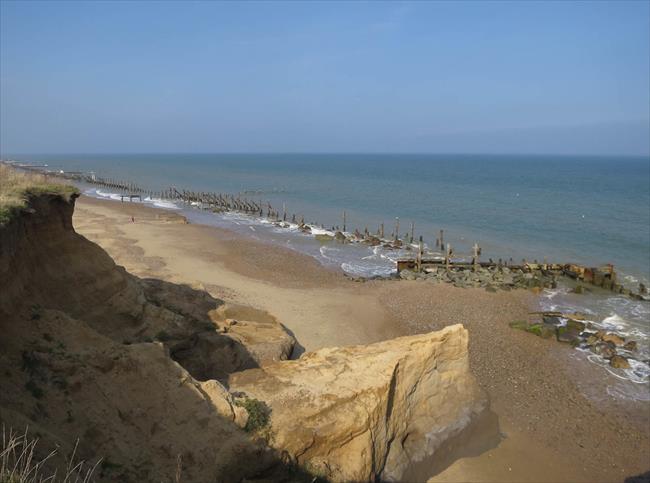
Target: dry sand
<point x="551" y="432"/>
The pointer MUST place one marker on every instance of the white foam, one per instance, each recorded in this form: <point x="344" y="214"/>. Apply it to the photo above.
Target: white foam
<point x="614" y="322"/>
<point x="325" y="249"/>
<point x="103" y="194"/>
<point x="365" y="271"/>
<point x="627" y="392"/>
<point x="631" y="279"/>
<point x="638" y="373"/>
<point x="165" y="204"/>
<point x="320" y="231"/>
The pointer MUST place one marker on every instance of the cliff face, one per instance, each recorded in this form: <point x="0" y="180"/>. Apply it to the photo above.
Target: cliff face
<point x="366" y="412"/>
<point x="137" y="370"/>
<point x="43" y="262"/>
<point x="86" y="353"/>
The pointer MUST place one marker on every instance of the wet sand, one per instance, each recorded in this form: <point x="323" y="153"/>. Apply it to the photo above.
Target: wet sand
<point x="550" y="430"/>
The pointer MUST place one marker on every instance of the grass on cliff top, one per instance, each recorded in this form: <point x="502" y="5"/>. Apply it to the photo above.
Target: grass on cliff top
<point x="16" y="187"/>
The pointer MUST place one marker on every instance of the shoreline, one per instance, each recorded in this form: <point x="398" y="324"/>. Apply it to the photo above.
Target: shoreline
<point x="201" y="204"/>
<point x="530" y="382"/>
<point x="552" y="281"/>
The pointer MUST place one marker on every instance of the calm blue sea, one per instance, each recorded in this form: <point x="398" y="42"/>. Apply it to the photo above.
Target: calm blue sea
<point x="589" y="210"/>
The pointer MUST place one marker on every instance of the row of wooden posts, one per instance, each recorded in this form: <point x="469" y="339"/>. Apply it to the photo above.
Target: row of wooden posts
<point x="229" y="202"/>
<point x="440" y="243"/>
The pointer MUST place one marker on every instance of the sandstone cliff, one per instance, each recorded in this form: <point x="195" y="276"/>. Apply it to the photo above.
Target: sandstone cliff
<point x="147" y="374"/>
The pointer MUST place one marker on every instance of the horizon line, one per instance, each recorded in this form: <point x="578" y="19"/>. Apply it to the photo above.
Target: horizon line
<point x="380" y="153"/>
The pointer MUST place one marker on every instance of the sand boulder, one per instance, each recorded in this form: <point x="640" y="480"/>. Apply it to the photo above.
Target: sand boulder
<point x="363" y="413"/>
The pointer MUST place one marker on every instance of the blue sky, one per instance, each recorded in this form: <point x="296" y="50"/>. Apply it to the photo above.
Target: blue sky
<point x="511" y="77"/>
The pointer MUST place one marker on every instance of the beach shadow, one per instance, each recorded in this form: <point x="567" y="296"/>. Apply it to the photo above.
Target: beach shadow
<point x="642" y="478"/>
<point x="204" y="351"/>
<point x="298" y="349"/>
<point x="480" y="435"/>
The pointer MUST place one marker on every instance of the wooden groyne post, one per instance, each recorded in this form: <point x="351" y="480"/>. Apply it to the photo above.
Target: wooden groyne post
<point x="418" y="261"/>
<point x="448" y="256"/>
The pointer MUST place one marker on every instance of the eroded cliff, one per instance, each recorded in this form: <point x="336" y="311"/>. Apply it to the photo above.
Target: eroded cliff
<point x="90" y="352"/>
<point x="146" y="373"/>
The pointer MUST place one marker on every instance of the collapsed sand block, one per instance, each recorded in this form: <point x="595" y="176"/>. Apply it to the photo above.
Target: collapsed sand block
<point x="366" y="412"/>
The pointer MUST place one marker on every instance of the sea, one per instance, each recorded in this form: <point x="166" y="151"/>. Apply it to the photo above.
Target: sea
<point x="591" y="210"/>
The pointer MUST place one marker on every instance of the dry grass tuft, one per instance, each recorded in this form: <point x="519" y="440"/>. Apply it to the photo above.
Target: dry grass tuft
<point x="19" y="463"/>
<point x="16" y="187"/>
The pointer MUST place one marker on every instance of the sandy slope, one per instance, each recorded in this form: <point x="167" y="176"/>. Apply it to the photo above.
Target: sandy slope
<point x="552" y="432"/>
<point x="321" y="309"/>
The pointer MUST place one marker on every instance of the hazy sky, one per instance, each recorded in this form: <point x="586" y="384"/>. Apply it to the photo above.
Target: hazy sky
<point x="548" y="77"/>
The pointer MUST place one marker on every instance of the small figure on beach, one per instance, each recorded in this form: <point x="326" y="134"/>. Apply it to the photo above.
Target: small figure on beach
<point x="132" y="219"/>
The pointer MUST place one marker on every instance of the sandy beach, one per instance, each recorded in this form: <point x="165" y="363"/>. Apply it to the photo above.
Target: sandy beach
<point x="550" y="430"/>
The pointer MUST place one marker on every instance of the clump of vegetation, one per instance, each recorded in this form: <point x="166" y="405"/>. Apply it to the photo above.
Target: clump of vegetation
<point x="31" y="363"/>
<point x="17" y="187"/>
<point x="34" y="388"/>
<point x="61" y="382"/>
<point x="540" y="330"/>
<point x="32" y="366"/>
<point x="163" y="336"/>
<point x="19" y="463"/>
<point x="107" y="467"/>
<point x="258" y="413"/>
<point x="35" y="312"/>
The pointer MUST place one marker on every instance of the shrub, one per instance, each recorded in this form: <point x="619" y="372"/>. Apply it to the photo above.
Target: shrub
<point x="32" y="387"/>
<point x="258" y="413"/>
<point x="162" y="336"/>
<point x="108" y="467"/>
<point x="31" y="364"/>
